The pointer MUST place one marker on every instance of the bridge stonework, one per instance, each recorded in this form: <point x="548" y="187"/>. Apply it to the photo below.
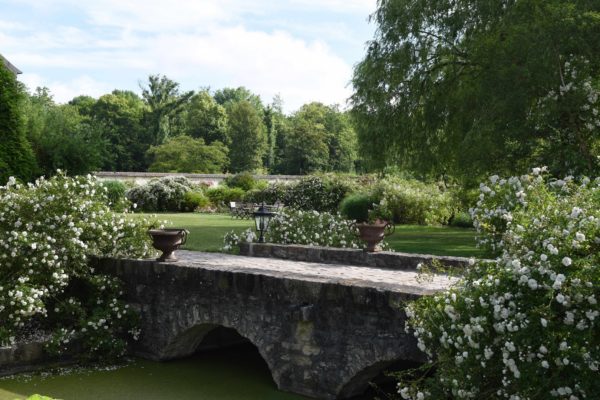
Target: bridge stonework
<point x="324" y="330"/>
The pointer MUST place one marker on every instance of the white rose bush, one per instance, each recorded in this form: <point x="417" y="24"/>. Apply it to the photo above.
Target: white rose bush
<point x="525" y="326"/>
<point x="310" y="228"/>
<point x="48" y="232"/>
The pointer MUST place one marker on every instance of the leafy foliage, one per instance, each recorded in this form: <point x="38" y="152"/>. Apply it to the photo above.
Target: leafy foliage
<point x="165" y="104"/>
<point x="185" y="154"/>
<point x="121" y="116"/>
<point x="243" y="180"/>
<point x="48" y="231"/>
<point x="316" y="193"/>
<point x="526" y="325"/>
<point x="158" y="195"/>
<point x="357" y="206"/>
<point x="115" y="194"/>
<point x="195" y="200"/>
<point x="16" y="156"/>
<point x="206" y="119"/>
<point x="65" y="140"/>
<point x="318" y="138"/>
<point x="414" y="202"/>
<point x="221" y="196"/>
<point x="248" y="137"/>
<point x="466" y="87"/>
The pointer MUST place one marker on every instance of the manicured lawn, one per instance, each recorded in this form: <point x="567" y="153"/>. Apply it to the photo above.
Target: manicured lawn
<point x="438" y="240"/>
<point x="207" y="230"/>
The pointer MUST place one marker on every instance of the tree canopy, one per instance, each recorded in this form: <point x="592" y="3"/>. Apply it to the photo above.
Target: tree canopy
<point x="186" y="154"/>
<point x="167" y="129"/>
<point x="206" y="118"/>
<point x="248" y="137"/>
<point x="165" y="104"/>
<point x="16" y="155"/>
<point x="465" y="87"/>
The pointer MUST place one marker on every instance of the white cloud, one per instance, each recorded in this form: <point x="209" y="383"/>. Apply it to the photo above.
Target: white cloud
<point x="63" y="91"/>
<point x="197" y="43"/>
<point x="267" y="63"/>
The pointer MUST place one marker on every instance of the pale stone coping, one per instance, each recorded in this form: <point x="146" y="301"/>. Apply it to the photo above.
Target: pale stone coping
<point x="332" y="255"/>
<point x="401" y="281"/>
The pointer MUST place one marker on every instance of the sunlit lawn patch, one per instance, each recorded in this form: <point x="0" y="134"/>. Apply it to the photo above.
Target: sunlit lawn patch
<point x="207" y="231"/>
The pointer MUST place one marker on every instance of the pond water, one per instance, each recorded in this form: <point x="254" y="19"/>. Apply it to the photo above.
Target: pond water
<point x="236" y="373"/>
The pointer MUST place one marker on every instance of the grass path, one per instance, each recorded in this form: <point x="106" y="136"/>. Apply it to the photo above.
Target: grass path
<point x="207" y="230"/>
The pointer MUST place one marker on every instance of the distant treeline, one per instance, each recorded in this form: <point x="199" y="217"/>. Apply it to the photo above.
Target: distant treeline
<point x="168" y="130"/>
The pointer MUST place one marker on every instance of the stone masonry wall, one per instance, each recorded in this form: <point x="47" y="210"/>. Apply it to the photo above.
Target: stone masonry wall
<point x="321" y="338"/>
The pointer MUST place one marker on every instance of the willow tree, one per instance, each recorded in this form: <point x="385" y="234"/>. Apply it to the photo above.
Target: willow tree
<point x="466" y="87"/>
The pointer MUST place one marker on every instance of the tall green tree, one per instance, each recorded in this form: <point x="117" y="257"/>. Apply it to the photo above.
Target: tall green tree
<point x="229" y="96"/>
<point x="274" y="120"/>
<point x="319" y="138"/>
<point x="70" y="142"/>
<point x="248" y="137"/>
<point x="467" y="87"/>
<point x="206" y="119"/>
<point x="16" y="155"/>
<point x="306" y="149"/>
<point x="84" y="104"/>
<point x="62" y="136"/>
<point x="120" y="116"/>
<point x="186" y="154"/>
<point x="166" y="104"/>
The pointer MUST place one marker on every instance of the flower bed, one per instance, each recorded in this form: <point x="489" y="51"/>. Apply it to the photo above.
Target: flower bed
<point x="527" y="325"/>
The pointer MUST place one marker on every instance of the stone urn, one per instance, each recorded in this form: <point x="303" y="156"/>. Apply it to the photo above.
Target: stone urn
<point x="372" y="233"/>
<point x="168" y="240"/>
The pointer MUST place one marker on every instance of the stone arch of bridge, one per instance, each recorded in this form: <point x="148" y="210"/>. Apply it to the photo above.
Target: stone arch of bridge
<point x="191" y="339"/>
<point x="358" y="383"/>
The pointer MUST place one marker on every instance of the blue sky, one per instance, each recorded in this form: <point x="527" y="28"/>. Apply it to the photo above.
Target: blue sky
<point x="302" y="49"/>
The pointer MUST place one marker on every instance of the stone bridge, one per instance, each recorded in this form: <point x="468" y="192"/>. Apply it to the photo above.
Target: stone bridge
<point x="324" y="330"/>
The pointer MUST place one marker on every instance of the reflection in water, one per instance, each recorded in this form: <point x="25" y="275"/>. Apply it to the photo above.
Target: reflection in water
<point x="231" y="373"/>
<point x="235" y="373"/>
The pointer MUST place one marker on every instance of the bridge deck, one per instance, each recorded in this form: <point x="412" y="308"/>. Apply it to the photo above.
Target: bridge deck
<point x="347" y="275"/>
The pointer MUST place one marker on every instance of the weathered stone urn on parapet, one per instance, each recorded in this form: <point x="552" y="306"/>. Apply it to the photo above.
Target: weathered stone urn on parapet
<point x="372" y="233"/>
<point x="168" y="240"/>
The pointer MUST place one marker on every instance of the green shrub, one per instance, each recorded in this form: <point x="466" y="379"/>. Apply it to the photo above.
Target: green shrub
<point x="461" y="220"/>
<point x="357" y="206"/>
<point x="270" y="194"/>
<point x="49" y="230"/>
<point x="115" y="193"/>
<point x="261" y="185"/>
<point x="526" y="326"/>
<point x="316" y="193"/>
<point x="161" y="195"/>
<point x="243" y="180"/>
<point x="221" y="195"/>
<point x="194" y="200"/>
<point x="414" y="202"/>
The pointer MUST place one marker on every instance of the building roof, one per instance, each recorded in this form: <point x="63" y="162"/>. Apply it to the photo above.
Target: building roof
<point x="10" y="67"/>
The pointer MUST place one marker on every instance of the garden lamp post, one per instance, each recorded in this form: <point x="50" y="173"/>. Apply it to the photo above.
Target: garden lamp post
<point x="262" y="217"/>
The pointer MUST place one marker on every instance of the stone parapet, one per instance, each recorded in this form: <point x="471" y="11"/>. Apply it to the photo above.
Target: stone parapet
<point x="332" y="255"/>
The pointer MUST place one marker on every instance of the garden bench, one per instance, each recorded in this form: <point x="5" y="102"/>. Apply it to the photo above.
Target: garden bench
<point x="235" y="210"/>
